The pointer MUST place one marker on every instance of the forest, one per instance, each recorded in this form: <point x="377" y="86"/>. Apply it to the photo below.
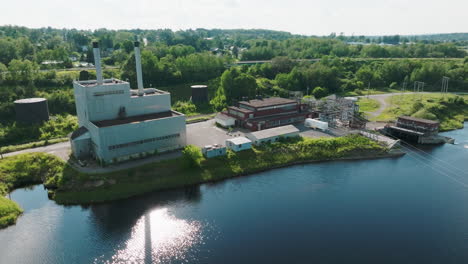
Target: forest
<point x="44" y="63"/>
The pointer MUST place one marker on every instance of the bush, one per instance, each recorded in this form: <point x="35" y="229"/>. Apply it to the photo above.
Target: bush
<point x="320" y="92"/>
<point x="192" y="156"/>
<point x="186" y="108"/>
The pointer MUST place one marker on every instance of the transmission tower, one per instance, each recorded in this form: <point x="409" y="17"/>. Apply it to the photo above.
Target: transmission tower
<point x="445" y="81"/>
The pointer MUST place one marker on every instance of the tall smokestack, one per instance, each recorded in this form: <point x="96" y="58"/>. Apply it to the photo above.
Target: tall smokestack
<point x="138" y="69"/>
<point x="97" y="62"/>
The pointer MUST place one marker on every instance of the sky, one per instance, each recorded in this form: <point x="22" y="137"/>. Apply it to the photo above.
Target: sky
<point x="312" y="17"/>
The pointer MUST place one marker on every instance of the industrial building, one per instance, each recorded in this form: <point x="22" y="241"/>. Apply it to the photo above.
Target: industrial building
<point x="337" y="111"/>
<point x="266" y="113"/>
<point x="117" y="123"/>
<point x="418" y="130"/>
<point x="273" y="134"/>
<point x="215" y="150"/>
<point x="199" y="94"/>
<point x="238" y="144"/>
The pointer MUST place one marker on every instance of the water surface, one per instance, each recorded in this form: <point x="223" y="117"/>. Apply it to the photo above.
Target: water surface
<point x="408" y="210"/>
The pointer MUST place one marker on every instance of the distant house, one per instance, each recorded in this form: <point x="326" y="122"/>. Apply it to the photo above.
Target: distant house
<point x="238" y="144"/>
<point x="273" y="134"/>
<point x="215" y="150"/>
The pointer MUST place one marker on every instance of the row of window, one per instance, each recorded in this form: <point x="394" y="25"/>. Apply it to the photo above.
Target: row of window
<point x="108" y="92"/>
<point x="126" y="145"/>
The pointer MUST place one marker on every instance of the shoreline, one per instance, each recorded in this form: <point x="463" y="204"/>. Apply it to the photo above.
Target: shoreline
<point x="370" y="156"/>
<point x="68" y="186"/>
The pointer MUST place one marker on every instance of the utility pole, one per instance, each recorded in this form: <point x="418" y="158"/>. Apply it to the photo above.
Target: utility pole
<point x="368" y="90"/>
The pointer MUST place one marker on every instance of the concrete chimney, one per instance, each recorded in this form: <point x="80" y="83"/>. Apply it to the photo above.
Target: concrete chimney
<point x="97" y="62"/>
<point x="138" y="69"/>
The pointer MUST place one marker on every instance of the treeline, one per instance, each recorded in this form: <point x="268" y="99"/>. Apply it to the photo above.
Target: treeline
<point x="310" y="48"/>
<point x="335" y="75"/>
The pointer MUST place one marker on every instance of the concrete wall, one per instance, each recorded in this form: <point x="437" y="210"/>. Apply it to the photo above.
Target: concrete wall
<point x="237" y="148"/>
<point x="109" y="137"/>
<point x="103" y="102"/>
<point x="148" y="104"/>
<point x="81" y="147"/>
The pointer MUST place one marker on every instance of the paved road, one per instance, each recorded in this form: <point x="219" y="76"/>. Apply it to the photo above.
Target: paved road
<point x="61" y="150"/>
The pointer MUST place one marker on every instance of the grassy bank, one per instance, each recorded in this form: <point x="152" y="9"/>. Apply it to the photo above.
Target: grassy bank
<point x="368" y="104"/>
<point x="450" y="110"/>
<point x="86" y="188"/>
<point x="23" y="170"/>
<point x="68" y="186"/>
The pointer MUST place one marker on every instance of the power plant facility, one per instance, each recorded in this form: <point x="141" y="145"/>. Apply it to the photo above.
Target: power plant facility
<point x="264" y="113"/>
<point x="117" y="123"/>
<point x="31" y="110"/>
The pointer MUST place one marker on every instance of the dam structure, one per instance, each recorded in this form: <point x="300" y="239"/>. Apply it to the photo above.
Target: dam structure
<point x="117" y="123"/>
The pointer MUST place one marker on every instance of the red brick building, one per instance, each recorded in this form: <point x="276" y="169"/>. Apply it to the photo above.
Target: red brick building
<point x="428" y="127"/>
<point x="266" y="113"/>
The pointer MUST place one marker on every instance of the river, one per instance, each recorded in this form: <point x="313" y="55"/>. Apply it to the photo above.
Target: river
<point x="402" y="210"/>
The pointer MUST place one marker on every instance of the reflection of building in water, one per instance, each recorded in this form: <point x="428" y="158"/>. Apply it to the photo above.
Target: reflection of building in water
<point x="149" y="231"/>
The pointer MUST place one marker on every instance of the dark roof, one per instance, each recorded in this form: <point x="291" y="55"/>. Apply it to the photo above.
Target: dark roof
<point x="242" y="110"/>
<point x="79" y="132"/>
<point x="132" y="119"/>
<point x="421" y="120"/>
<point x="267" y="102"/>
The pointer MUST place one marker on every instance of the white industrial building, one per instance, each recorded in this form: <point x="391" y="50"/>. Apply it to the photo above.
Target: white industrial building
<point x="224" y="120"/>
<point x="117" y="123"/>
<point x="215" y="150"/>
<point x="273" y="134"/>
<point x="238" y="144"/>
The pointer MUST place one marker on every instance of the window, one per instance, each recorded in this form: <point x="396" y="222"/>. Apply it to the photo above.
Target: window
<point x="143" y="141"/>
<point x="108" y="92"/>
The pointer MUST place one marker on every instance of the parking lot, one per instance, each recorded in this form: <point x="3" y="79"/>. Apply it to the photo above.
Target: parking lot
<point x="207" y="133"/>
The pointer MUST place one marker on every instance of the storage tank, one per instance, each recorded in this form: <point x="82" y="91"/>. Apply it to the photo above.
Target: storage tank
<point x="31" y="110"/>
<point x="316" y="124"/>
<point x="199" y="93"/>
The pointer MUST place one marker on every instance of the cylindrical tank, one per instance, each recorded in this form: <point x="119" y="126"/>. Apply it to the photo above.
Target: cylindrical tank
<point x="199" y="93"/>
<point x="31" y="110"/>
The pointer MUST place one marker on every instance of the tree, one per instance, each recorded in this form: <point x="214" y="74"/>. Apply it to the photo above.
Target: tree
<point x="319" y="92"/>
<point x="22" y="71"/>
<point x="281" y="65"/>
<point x="8" y="51"/>
<point x="365" y="74"/>
<point x="192" y="156"/>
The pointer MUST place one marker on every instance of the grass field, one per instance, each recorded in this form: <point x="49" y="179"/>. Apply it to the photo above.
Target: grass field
<point x="450" y="110"/>
<point x="368" y="104"/>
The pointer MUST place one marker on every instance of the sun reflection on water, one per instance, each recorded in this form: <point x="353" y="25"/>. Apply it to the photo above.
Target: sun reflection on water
<point x="158" y="237"/>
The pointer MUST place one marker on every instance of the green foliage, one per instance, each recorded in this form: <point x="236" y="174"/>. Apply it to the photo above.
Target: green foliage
<point x="172" y="175"/>
<point x="56" y="127"/>
<point x="9" y="212"/>
<point x="449" y="110"/>
<point x="192" y="156"/>
<point x="31" y="168"/>
<point x="22" y="170"/>
<point x="368" y="105"/>
<point x="319" y="92"/>
<point x="187" y="108"/>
